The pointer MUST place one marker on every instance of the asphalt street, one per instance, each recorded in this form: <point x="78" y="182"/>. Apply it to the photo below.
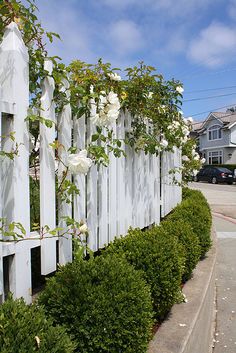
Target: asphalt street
<point x="222" y="200"/>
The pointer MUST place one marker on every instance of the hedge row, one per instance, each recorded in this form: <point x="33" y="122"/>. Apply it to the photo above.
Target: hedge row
<point x="110" y="303"/>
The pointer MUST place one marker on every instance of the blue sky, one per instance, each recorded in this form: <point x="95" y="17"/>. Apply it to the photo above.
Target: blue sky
<point x="193" y="41"/>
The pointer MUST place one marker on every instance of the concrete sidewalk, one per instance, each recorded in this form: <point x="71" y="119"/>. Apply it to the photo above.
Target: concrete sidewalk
<point x="225" y="325"/>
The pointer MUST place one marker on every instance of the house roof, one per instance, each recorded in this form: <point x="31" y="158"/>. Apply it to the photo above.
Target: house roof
<point x="197" y="125"/>
<point x="228" y="118"/>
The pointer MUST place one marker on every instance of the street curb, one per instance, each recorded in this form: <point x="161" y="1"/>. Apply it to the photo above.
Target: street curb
<point x="227" y="218"/>
<point x="189" y="326"/>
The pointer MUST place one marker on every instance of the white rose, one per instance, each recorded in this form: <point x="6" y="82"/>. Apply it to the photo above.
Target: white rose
<point x="113" y="98"/>
<point x="91" y="89"/>
<point x="176" y="124"/>
<point x="179" y="89"/>
<point x="150" y="94"/>
<point x="164" y="143"/>
<point x="79" y="163"/>
<point x="114" y="76"/>
<point x="196" y="157"/>
<point x="203" y="160"/>
<point x="186" y="131"/>
<point x="195" y="172"/>
<point x="112" y="115"/>
<point x="190" y="120"/>
<point x="185" y="158"/>
<point x="184" y="139"/>
<point x="83" y="229"/>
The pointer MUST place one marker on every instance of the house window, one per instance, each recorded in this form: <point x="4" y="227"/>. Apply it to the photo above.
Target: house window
<point x="214" y="132"/>
<point x="215" y="157"/>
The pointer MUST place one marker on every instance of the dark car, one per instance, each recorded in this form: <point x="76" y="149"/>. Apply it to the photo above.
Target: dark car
<point x="215" y="175"/>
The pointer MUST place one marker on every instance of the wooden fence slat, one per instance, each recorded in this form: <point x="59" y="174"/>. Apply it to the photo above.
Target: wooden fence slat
<point x="92" y="195"/>
<point x="14" y="82"/>
<point x="64" y="208"/>
<point x="128" y="178"/>
<point x="112" y="182"/>
<point x="1" y="256"/>
<point x="103" y="206"/>
<point x="47" y="174"/>
<point x="79" y="132"/>
<point x="120" y="192"/>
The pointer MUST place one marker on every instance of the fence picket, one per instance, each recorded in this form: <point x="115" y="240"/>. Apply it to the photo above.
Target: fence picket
<point x="1" y="257"/>
<point x="92" y="194"/>
<point x="15" y="174"/>
<point x="64" y="208"/>
<point x="47" y="174"/>
<point x="120" y="192"/>
<point x="112" y="181"/>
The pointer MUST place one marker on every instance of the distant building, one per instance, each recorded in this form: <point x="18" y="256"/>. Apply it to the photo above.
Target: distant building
<point x="217" y="137"/>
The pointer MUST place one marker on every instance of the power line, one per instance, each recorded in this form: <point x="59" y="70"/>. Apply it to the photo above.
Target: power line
<point x="198" y="72"/>
<point x="209" y="97"/>
<point x="214" y="109"/>
<point x="209" y="89"/>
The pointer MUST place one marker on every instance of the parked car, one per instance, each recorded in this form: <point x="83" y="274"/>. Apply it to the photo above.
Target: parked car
<point x="215" y="175"/>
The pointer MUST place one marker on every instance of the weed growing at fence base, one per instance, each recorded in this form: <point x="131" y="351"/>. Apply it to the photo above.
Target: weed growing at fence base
<point x="25" y="328"/>
<point x="104" y="303"/>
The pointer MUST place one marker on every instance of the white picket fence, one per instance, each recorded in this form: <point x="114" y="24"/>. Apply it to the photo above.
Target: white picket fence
<point x="132" y="191"/>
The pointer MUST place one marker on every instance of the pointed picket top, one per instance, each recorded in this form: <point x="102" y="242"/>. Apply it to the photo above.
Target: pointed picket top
<point x="12" y="40"/>
<point x="48" y="66"/>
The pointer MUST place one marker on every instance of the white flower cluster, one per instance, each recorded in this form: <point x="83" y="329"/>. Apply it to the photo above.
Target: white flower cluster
<point x="79" y="163"/>
<point x="179" y="89"/>
<point x="114" y="76"/>
<point x="108" y="109"/>
<point x="163" y="143"/>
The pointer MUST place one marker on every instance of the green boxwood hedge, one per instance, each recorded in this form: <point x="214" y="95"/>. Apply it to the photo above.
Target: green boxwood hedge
<point x="160" y="257"/>
<point x="25" y="329"/>
<point x="195" y="211"/>
<point x="104" y="303"/>
<point x="189" y="240"/>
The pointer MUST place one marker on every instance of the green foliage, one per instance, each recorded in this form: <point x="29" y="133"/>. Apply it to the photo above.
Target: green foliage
<point x="25" y="329"/>
<point x="104" y="303"/>
<point x="188" y="239"/>
<point x="158" y="255"/>
<point x="195" y="211"/>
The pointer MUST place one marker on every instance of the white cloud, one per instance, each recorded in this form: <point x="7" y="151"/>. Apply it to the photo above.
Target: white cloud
<point x="215" y="46"/>
<point x="171" y="8"/>
<point x="125" y="37"/>
<point x="71" y="25"/>
<point x="232" y="9"/>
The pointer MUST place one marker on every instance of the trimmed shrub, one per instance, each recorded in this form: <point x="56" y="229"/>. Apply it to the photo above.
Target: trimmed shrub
<point x="159" y="256"/>
<point x="189" y="240"/>
<point x="196" y="195"/>
<point x="25" y="328"/>
<point x="196" y="213"/>
<point x="104" y="303"/>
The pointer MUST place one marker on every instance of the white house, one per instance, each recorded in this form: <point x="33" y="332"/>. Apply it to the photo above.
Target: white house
<point x="217" y="137"/>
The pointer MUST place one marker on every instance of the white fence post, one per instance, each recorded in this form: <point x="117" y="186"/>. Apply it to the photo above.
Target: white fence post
<point x="47" y="174"/>
<point x="15" y="174"/>
<point x="64" y="208"/>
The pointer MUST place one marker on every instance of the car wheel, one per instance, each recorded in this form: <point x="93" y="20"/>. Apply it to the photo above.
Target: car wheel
<point x="229" y="183"/>
<point x="214" y="180"/>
